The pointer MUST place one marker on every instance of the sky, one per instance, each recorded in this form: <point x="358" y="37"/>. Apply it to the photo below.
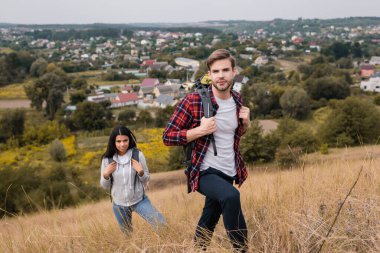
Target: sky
<point x="177" y="11"/>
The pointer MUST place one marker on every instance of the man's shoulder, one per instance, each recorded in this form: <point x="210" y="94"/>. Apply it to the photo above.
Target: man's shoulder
<point x="192" y="96"/>
<point x="237" y="97"/>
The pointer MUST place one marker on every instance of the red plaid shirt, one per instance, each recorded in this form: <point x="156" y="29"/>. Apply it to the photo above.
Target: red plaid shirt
<point x="188" y="115"/>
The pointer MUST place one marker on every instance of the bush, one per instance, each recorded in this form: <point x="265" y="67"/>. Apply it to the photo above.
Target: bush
<point x="288" y="157"/>
<point x="57" y="151"/>
<point x="324" y="149"/>
<point x="44" y="133"/>
<point x="127" y="116"/>
<point x="376" y="99"/>
<point x="256" y="147"/>
<point x="303" y="138"/>
<point x="351" y="122"/>
<point x="291" y="133"/>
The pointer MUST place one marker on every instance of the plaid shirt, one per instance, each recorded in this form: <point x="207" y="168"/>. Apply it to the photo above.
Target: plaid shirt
<point x="188" y="115"/>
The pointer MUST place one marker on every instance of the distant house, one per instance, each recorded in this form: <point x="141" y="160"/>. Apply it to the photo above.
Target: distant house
<point x="261" y="60"/>
<point x="162" y="90"/>
<point x="176" y="89"/>
<point x="375" y="60"/>
<point x="157" y="66"/>
<point x="246" y="56"/>
<point x="150" y="82"/>
<point x="240" y="80"/>
<point x="146" y="91"/>
<point x="172" y="81"/>
<point x="164" y="101"/>
<point x="373" y="84"/>
<point x="125" y="99"/>
<point x="102" y="97"/>
<point x="297" y="40"/>
<point x="367" y="70"/>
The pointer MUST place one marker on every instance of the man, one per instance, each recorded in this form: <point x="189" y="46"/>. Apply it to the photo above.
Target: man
<point x="212" y="173"/>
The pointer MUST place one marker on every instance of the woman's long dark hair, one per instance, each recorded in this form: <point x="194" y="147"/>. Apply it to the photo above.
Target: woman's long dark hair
<point x="111" y="147"/>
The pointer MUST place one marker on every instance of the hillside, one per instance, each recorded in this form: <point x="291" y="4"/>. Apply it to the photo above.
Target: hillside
<point x="286" y="211"/>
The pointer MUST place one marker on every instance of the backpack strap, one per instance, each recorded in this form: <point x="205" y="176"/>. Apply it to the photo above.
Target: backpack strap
<point x="110" y="160"/>
<point x="208" y="110"/>
<point x="135" y="156"/>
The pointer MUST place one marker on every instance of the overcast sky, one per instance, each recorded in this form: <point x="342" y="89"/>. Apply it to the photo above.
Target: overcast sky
<point x="177" y="11"/>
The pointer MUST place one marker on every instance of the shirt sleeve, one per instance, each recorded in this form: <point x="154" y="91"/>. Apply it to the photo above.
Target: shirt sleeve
<point x="175" y="132"/>
<point x="104" y="182"/>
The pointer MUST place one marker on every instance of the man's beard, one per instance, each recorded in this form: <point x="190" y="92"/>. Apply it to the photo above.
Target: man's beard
<point x="227" y="87"/>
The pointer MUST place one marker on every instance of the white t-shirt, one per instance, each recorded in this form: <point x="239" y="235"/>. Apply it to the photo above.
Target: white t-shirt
<point x="226" y="122"/>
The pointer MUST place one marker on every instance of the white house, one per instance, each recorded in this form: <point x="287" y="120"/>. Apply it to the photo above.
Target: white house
<point x="375" y="60"/>
<point x="240" y="80"/>
<point x="373" y="84"/>
<point x="261" y="60"/>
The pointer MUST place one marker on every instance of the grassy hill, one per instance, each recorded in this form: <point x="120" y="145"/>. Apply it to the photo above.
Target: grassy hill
<point x="286" y="211"/>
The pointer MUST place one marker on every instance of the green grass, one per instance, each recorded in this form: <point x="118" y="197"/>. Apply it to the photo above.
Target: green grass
<point x="6" y="50"/>
<point x="317" y="118"/>
<point x="15" y="90"/>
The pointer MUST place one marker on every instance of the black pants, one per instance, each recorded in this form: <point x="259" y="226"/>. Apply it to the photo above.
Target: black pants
<point x="221" y="198"/>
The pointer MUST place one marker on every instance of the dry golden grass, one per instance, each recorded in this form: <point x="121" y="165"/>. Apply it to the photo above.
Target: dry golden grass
<point x="286" y="211"/>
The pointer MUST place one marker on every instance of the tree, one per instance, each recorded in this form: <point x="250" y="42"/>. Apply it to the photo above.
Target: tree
<point x="262" y="99"/>
<point x="344" y="63"/>
<point x="351" y="122"/>
<point x="77" y="97"/>
<point x="90" y="116"/>
<point x="163" y="116"/>
<point x="327" y="87"/>
<point x="256" y="147"/>
<point x="38" y="67"/>
<point x="12" y="124"/>
<point x="127" y="116"/>
<point x="157" y="73"/>
<point x="295" y="103"/>
<point x="144" y="117"/>
<point x="356" y="50"/>
<point x="48" y="89"/>
<point x="79" y="83"/>
<point x="338" y="50"/>
<point x="14" y="67"/>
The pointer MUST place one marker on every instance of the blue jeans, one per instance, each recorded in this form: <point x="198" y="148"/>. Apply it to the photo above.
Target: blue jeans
<point x="144" y="208"/>
<point x="222" y="198"/>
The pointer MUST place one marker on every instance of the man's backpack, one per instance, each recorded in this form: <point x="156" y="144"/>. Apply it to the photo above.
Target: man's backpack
<point x="201" y="86"/>
<point x="135" y="155"/>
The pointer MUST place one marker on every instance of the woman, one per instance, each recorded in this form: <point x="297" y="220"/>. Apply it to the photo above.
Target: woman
<point x="126" y="176"/>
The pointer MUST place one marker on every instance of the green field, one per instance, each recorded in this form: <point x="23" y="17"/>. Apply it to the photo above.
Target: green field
<point x="14" y="91"/>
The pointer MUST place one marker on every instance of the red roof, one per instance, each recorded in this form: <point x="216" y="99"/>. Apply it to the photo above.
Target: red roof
<point x="126" y="97"/>
<point x="367" y="67"/>
<point x="148" y="62"/>
<point x="127" y="88"/>
<point x="150" y="82"/>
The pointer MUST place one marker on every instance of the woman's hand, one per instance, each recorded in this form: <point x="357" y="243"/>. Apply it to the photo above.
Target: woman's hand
<point x="137" y="167"/>
<point x="109" y="170"/>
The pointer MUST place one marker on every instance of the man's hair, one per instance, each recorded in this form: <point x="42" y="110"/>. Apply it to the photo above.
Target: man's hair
<point x="220" y="54"/>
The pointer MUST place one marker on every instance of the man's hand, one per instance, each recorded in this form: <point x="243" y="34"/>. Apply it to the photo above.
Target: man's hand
<point x="208" y="126"/>
<point x="244" y="114"/>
